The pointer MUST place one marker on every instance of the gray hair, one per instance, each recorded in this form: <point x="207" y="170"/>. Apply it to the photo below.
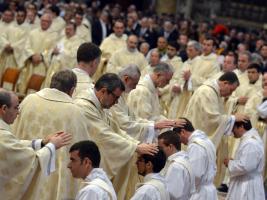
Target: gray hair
<point x="163" y="67"/>
<point x="256" y="58"/>
<point x="248" y="54"/>
<point x="195" y="44"/>
<point x="145" y="44"/>
<point x="131" y="70"/>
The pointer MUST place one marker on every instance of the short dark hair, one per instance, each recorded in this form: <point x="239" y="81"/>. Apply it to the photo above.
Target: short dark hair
<point x="5" y="98"/>
<point x="254" y="66"/>
<point x="158" y="160"/>
<point x="174" y="44"/>
<point x="246" y="124"/>
<point x="170" y="137"/>
<point x="110" y="81"/>
<point x="209" y="37"/>
<point x="87" y="149"/>
<point x="64" y="80"/>
<point x="88" y="52"/>
<point x="55" y="9"/>
<point x="188" y="126"/>
<point x="230" y="77"/>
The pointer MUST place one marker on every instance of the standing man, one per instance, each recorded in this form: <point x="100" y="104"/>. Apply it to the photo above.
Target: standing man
<point x="207" y="105"/>
<point x="53" y="110"/>
<point x="24" y="162"/>
<point x="154" y="186"/>
<point x="246" y="181"/>
<point x="84" y="163"/>
<point x="206" y="67"/>
<point x="128" y="55"/>
<point x="38" y="49"/>
<point x="64" y="53"/>
<point x="177" y="171"/>
<point x="116" y="147"/>
<point x="144" y="99"/>
<point x="202" y="157"/>
<point x="182" y="86"/>
<point x="137" y="127"/>
<point x="88" y="57"/>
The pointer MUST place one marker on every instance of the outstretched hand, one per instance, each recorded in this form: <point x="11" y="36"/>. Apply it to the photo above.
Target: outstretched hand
<point x="60" y="139"/>
<point x="149" y="149"/>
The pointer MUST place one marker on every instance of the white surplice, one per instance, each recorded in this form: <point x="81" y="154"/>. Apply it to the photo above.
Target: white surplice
<point x="202" y="156"/>
<point x="246" y="181"/>
<point x="179" y="176"/>
<point x="153" y="188"/>
<point x="98" y="187"/>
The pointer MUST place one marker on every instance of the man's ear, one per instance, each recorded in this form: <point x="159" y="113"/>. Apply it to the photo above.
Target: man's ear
<point x="149" y="165"/>
<point x="4" y="107"/>
<point x="126" y="78"/>
<point x="103" y="90"/>
<point x="87" y="161"/>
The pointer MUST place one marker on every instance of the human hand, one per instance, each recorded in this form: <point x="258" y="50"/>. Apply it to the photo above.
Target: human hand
<point x="36" y="59"/>
<point x="60" y="139"/>
<point x="176" y="88"/>
<point x="186" y="75"/>
<point x="149" y="149"/>
<point x="241" y="117"/>
<point x="242" y="100"/>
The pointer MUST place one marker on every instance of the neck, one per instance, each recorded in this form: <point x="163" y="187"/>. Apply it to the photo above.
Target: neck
<point x="85" y="68"/>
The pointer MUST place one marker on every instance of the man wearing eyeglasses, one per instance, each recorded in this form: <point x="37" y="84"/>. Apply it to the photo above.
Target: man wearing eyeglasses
<point x="116" y="147"/>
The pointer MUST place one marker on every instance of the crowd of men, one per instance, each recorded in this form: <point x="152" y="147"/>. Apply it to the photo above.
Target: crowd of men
<point x="137" y="106"/>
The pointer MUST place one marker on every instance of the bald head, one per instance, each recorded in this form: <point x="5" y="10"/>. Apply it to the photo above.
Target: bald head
<point x="46" y="21"/>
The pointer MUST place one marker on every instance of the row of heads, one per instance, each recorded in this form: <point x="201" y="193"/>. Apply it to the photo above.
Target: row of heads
<point x="173" y="138"/>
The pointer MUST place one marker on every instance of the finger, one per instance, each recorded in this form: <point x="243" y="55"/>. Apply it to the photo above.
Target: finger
<point x="59" y="133"/>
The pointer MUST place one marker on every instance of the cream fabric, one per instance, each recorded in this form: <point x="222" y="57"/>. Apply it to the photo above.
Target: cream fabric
<point x="50" y="111"/>
<point x="38" y="42"/>
<point x="136" y="127"/>
<point x="179" y="101"/>
<point x="84" y="81"/>
<point x="205" y="68"/>
<point x="153" y="188"/>
<point x="123" y="57"/>
<point x="21" y="166"/>
<point x="66" y="58"/>
<point x="117" y="149"/>
<point x="144" y="100"/>
<point x="97" y="187"/>
<point x="246" y="168"/>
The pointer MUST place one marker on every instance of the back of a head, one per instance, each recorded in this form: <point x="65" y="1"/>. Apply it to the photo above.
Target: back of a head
<point x="64" y="80"/>
<point x="158" y="160"/>
<point x="110" y="81"/>
<point x="170" y="137"/>
<point x="55" y="9"/>
<point x="130" y="70"/>
<point x="187" y="126"/>
<point x="87" y="149"/>
<point x="163" y="67"/>
<point x="246" y="124"/>
<point x="88" y="52"/>
<point x="230" y="77"/>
